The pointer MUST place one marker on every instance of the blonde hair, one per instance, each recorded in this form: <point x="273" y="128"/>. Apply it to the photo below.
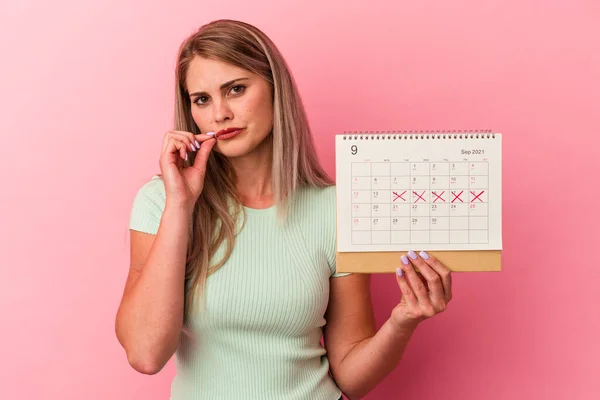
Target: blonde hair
<point x="294" y="161"/>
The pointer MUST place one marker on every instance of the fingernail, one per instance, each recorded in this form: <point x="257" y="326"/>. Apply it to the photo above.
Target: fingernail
<point x="186" y="157"/>
<point x="210" y="134"/>
<point x="192" y="146"/>
<point x="399" y="271"/>
<point x="197" y="144"/>
<point x="404" y="260"/>
<point x="412" y="255"/>
<point x="424" y="255"/>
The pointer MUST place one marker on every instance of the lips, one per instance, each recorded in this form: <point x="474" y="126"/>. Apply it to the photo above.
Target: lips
<point x="228" y="133"/>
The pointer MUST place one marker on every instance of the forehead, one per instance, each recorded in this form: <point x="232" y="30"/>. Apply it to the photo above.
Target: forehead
<point x="208" y="74"/>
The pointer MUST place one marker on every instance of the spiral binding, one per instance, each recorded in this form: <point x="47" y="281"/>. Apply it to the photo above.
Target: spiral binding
<point x="406" y="135"/>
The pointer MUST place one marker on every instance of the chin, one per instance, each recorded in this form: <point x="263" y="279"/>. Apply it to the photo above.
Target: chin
<point x="233" y="148"/>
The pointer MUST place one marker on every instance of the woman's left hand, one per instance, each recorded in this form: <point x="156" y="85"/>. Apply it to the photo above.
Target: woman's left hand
<point x="425" y="293"/>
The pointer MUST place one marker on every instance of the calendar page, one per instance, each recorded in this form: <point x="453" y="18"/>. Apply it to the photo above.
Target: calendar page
<point x="399" y="192"/>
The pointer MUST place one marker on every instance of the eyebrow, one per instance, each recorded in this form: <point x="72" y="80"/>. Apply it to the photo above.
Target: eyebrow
<point x="223" y="86"/>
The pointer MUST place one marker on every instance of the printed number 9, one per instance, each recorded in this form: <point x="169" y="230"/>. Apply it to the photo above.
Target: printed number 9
<point x="354" y="149"/>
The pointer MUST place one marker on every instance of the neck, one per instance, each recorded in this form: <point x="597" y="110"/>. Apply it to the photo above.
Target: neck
<point x="253" y="176"/>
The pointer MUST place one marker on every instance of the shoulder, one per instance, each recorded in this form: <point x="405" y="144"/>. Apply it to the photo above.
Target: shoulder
<point x="154" y="189"/>
<point x="318" y="199"/>
<point x="312" y="203"/>
<point x="315" y="211"/>
<point x="148" y="205"/>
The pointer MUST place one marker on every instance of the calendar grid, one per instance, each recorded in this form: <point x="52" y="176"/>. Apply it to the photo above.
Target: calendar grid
<point x="420" y="202"/>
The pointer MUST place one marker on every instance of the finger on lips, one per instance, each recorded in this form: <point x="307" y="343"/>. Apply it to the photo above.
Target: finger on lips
<point x="187" y="138"/>
<point x="202" y="137"/>
<point x="194" y="141"/>
<point x="206" y="136"/>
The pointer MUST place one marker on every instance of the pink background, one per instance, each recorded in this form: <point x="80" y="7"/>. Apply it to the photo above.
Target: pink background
<point x="87" y="95"/>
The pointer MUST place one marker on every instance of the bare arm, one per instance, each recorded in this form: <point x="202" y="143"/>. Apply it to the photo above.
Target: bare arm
<point x="150" y="316"/>
<point x="361" y="356"/>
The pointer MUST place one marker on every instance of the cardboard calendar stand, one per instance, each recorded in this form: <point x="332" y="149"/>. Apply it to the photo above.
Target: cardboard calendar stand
<point x="369" y="164"/>
<point x="375" y="262"/>
<point x="386" y="262"/>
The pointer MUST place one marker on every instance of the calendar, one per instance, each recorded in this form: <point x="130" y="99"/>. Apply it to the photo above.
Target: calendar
<point x="399" y="191"/>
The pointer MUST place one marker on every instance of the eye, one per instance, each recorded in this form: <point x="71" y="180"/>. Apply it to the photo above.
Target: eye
<point x="237" y="89"/>
<point x="201" y="100"/>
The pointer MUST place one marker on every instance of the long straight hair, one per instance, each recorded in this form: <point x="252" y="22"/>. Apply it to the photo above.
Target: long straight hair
<point x="294" y="161"/>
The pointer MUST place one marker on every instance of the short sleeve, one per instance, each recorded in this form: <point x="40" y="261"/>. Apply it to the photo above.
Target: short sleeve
<point x="331" y="238"/>
<point x="338" y="274"/>
<point x="332" y="264"/>
<point x="148" y="206"/>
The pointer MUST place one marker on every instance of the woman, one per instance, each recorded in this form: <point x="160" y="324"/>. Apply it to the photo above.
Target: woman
<point x="233" y="245"/>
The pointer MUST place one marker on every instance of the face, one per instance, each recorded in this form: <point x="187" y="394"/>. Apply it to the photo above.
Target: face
<point x="234" y="103"/>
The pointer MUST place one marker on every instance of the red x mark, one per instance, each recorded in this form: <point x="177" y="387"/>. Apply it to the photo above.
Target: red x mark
<point x="438" y="196"/>
<point x="420" y="196"/>
<point x="457" y="197"/>
<point x="399" y="196"/>
<point x="476" y="196"/>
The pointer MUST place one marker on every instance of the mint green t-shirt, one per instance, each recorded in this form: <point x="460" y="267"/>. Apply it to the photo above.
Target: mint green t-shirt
<point x="259" y="337"/>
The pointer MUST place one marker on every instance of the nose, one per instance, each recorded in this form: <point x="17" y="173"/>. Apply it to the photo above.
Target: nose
<point x="222" y="111"/>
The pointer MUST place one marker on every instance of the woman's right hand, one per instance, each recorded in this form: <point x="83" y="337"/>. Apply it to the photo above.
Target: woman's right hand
<point x="183" y="185"/>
